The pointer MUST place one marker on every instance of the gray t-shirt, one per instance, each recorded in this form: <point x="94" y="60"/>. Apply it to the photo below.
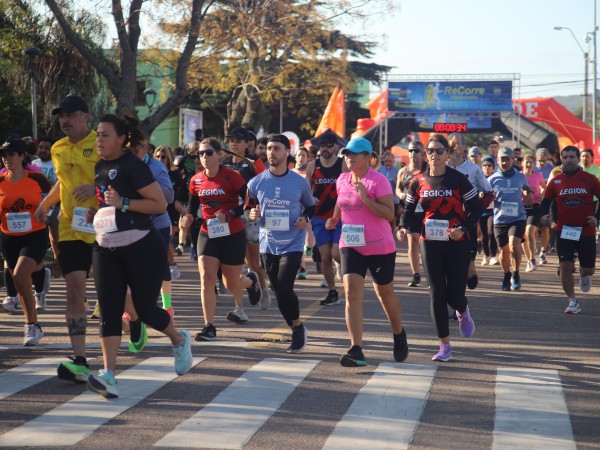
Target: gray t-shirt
<point x="282" y="201"/>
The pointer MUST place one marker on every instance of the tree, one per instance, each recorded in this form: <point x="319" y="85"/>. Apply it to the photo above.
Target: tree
<point x="60" y="69"/>
<point x="119" y="67"/>
<point x="261" y="51"/>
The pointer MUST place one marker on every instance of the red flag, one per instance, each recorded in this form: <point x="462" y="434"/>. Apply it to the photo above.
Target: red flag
<point x="378" y="107"/>
<point x="333" y="117"/>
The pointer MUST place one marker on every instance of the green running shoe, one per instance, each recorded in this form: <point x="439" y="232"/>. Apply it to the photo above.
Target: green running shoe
<point x="76" y="371"/>
<point x="138" y="346"/>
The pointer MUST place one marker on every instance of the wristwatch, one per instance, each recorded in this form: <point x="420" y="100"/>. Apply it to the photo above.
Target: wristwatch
<point x="125" y="204"/>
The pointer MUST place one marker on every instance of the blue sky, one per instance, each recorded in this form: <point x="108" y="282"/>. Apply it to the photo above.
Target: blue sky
<point x="483" y="36"/>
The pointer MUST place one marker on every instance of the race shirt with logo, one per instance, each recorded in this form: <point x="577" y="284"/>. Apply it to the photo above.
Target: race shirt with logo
<point x="284" y="196"/>
<point x="75" y="166"/>
<point x="126" y="175"/>
<point x="22" y="197"/>
<point x="323" y="187"/>
<point x="508" y="191"/>
<point x="47" y="169"/>
<point x="573" y="195"/>
<point x="448" y="197"/>
<point x="221" y="192"/>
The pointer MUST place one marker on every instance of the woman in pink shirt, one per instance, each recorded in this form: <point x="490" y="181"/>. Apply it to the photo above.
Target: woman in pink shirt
<point x="534" y="216"/>
<point x="365" y="206"/>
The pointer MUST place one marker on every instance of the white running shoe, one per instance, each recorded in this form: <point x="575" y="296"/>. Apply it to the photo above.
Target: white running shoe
<point x="323" y="283"/>
<point x="237" y="316"/>
<point x="585" y="283"/>
<point x="33" y="334"/>
<point x="10" y="304"/>
<point x="573" y="307"/>
<point x="485" y="261"/>
<point x="493" y="261"/>
<point x="265" y="300"/>
<point x="40" y="301"/>
<point x="175" y="273"/>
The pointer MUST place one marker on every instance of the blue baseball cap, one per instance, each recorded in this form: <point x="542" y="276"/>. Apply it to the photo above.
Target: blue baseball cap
<point x="358" y="145"/>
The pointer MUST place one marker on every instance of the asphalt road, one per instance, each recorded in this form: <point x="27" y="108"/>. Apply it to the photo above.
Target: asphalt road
<point x="528" y="378"/>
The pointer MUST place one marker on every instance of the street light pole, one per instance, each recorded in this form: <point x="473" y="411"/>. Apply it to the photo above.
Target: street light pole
<point x="32" y="53"/>
<point x="585" y="71"/>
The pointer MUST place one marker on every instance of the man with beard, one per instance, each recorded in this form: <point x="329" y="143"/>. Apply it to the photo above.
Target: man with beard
<point x="322" y="174"/>
<point x="283" y="204"/>
<point x="572" y="192"/>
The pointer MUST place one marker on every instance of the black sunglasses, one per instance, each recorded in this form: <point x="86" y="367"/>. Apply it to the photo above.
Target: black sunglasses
<point x="439" y="151"/>
<point x="206" y="153"/>
<point x="327" y="144"/>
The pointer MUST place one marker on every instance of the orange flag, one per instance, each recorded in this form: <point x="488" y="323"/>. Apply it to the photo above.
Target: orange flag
<point x="333" y="117"/>
<point x="378" y="107"/>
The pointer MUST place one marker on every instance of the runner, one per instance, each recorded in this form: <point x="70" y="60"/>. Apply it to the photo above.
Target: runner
<point x="486" y="222"/>
<point x="322" y="175"/>
<point x="129" y="251"/>
<point x="573" y="193"/>
<point x="509" y="187"/>
<point x="417" y="164"/>
<point x="283" y="206"/>
<point x="545" y="167"/>
<point x="222" y="240"/>
<point x="248" y="167"/>
<point x="23" y="240"/>
<point x="365" y="206"/>
<point x="300" y="168"/>
<point x="537" y="184"/>
<point x="74" y="158"/>
<point x="452" y="207"/>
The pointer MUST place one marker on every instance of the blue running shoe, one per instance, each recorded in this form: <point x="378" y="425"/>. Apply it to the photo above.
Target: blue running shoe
<point x="183" y="354"/>
<point x="515" y="283"/>
<point x="354" y="358"/>
<point x="104" y="384"/>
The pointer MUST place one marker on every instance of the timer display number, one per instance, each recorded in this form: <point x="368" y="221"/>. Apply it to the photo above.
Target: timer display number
<point x="439" y="127"/>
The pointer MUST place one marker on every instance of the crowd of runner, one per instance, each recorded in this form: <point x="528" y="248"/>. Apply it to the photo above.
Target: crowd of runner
<point x="107" y="200"/>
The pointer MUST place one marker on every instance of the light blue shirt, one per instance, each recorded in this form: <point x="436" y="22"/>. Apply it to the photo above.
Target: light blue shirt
<point x="160" y="174"/>
<point x="280" y="197"/>
<point x="391" y="175"/>
<point x="508" y="199"/>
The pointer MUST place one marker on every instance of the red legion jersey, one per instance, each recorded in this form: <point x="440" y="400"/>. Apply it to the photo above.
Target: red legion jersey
<point x="218" y="193"/>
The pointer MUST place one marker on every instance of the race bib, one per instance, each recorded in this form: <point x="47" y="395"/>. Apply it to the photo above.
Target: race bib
<point x="436" y="230"/>
<point x="509" y="209"/>
<point x="217" y="229"/>
<point x="19" y="222"/>
<point x="354" y="235"/>
<point x="276" y="219"/>
<point x="571" y="233"/>
<point x="105" y="220"/>
<point x="79" y="224"/>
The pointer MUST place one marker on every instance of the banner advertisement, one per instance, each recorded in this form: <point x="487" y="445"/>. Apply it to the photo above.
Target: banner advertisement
<point x="448" y="96"/>
<point x="189" y="121"/>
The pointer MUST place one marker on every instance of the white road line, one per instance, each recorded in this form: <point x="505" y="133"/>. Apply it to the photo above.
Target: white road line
<point x="96" y="345"/>
<point x="531" y="411"/>
<point x="386" y="411"/>
<point x="27" y="375"/>
<point x="76" y="419"/>
<point x="238" y="412"/>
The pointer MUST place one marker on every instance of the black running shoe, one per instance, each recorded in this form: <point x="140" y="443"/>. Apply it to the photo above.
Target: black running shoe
<point x="76" y="371"/>
<point x="415" y="280"/>
<point x="400" y="346"/>
<point x="354" y="358"/>
<point x="332" y="298"/>
<point x="472" y="282"/>
<point x="208" y="333"/>
<point x="254" y="291"/>
<point x="452" y="315"/>
<point x="299" y="338"/>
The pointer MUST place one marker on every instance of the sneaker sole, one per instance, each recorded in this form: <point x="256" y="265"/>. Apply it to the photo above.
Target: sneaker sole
<point x="337" y="302"/>
<point x="414" y="284"/>
<point x="441" y="359"/>
<point x="235" y="319"/>
<point x="65" y="374"/>
<point x="346" y="361"/>
<point x="99" y="388"/>
<point x="204" y="338"/>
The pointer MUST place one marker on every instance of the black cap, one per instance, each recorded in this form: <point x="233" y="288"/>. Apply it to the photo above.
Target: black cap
<point x="240" y="133"/>
<point x="281" y="138"/>
<point x="70" y="104"/>
<point x="13" y="145"/>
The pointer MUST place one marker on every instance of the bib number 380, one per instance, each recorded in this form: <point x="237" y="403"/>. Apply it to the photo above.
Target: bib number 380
<point x="217" y="229"/>
<point x="354" y="235"/>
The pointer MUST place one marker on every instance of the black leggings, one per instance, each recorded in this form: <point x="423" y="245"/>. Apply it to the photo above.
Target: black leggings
<point x="282" y="270"/>
<point x="446" y="265"/>
<point x="490" y="246"/>
<point x="140" y="266"/>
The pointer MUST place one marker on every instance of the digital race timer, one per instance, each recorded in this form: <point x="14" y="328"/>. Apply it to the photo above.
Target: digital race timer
<point x="449" y="127"/>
